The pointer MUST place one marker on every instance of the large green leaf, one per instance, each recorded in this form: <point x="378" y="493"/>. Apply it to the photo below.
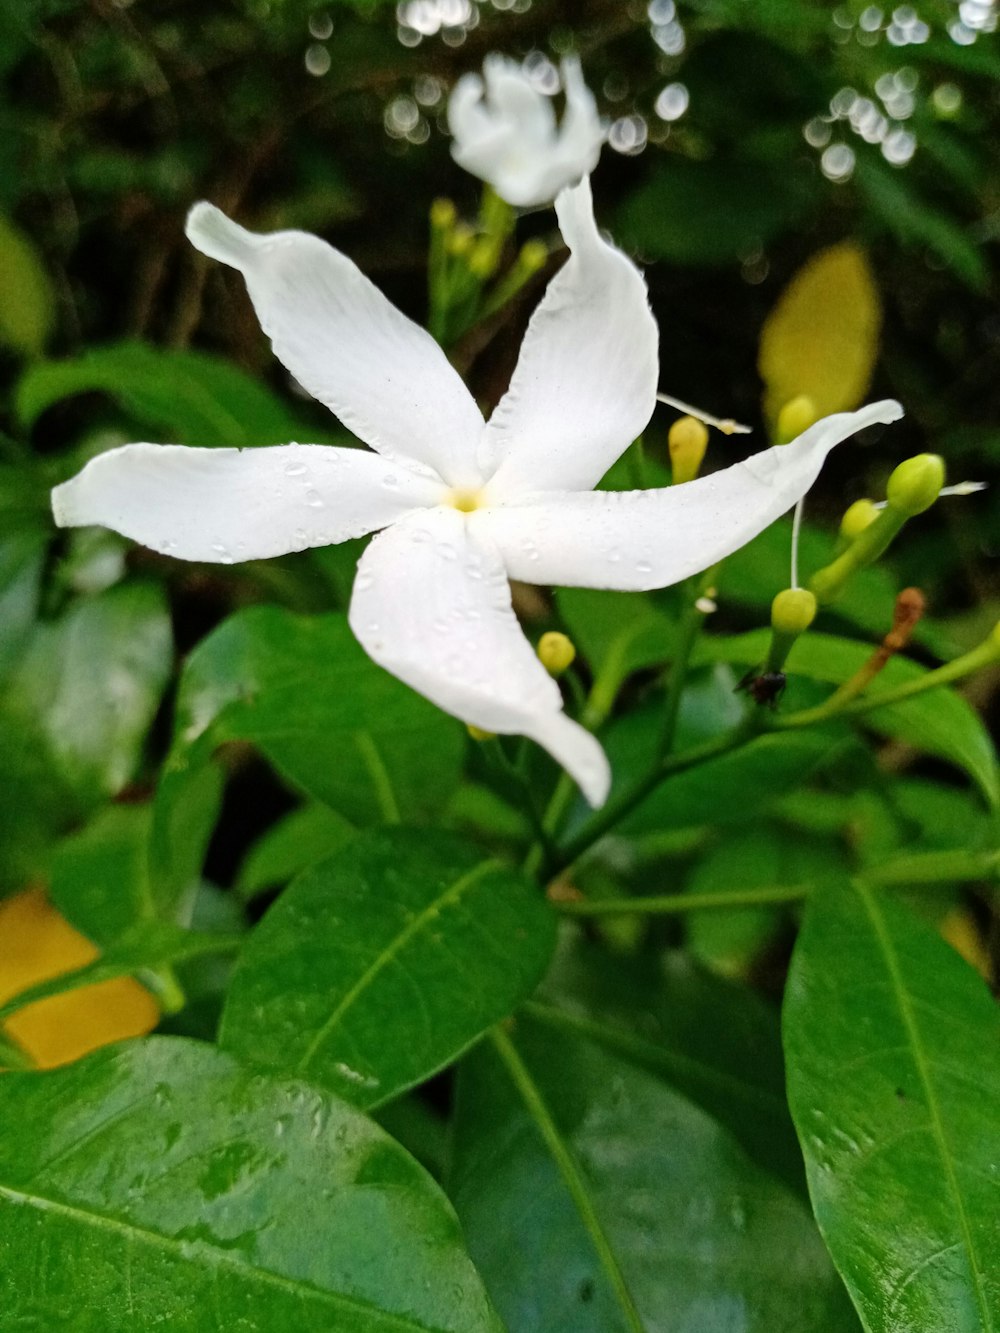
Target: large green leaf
<point x="99" y="878"/>
<point x="632" y="1208"/>
<point x="160" y="1184"/>
<point x="331" y="721"/>
<point x="190" y="396"/>
<point x="381" y="964"/>
<point x="894" y="1083"/>
<point x="92" y="680"/>
<point x="940" y="722"/>
<point x="717" y="1043"/>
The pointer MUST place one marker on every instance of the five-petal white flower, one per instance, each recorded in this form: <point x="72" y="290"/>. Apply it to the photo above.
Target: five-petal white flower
<point x="462" y="504"/>
<point x="506" y="133"/>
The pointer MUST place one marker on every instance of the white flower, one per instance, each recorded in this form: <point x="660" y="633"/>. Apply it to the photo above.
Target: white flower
<point x="463" y="504"/>
<point x="509" y="136"/>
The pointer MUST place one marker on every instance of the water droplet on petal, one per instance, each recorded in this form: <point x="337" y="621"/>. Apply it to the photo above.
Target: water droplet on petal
<point x="390" y="481"/>
<point x="643" y="567"/>
<point x="294" y="469"/>
<point x="614" y="555"/>
<point x="314" y="499"/>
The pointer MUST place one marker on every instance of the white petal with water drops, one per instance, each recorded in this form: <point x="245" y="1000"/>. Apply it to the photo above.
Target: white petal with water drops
<point x="226" y="505"/>
<point x="431" y="604"/>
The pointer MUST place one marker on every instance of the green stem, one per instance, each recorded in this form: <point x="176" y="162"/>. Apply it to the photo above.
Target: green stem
<point x="605" y="819"/>
<point x="514" y="775"/>
<point x="569" y="1170"/>
<point x="923" y="868"/>
<point x="828" y="582"/>
<point x="836" y="706"/>
<point x="688" y="630"/>
<point x="672" y="903"/>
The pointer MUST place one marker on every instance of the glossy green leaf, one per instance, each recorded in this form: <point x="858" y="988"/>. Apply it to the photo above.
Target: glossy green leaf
<point x="616" y="632"/>
<point x="185" y="810"/>
<point x="99" y="877"/>
<point x="894" y="1084"/>
<point x="331" y="721"/>
<point x="190" y="397"/>
<point x="940" y="722"/>
<point x="22" y="560"/>
<point x="633" y="1210"/>
<point x="94" y="679"/>
<point x="166" y="1186"/>
<point x="307" y="835"/>
<point x="379" y="966"/>
<point x="715" y="1042"/>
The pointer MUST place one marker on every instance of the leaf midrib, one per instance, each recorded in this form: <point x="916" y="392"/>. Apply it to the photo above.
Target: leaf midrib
<point x="155" y="1239"/>
<point x="391" y="951"/>
<point x="933" y="1109"/>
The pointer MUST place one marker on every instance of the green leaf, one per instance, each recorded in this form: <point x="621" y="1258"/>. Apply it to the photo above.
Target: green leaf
<point x="307" y="835"/>
<point x="940" y="722"/>
<point x="190" y="396"/>
<point x="331" y="721"/>
<point x="185" y="810"/>
<point x="379" y="966"/>
<point x="894" y="1085"/>
<point x="99" y="876"/>
<point x="22" y="560"/>
<point x="169" y="1187"/>
<point x="632" y="1208"/>
<point x="617" y="632"/>
<point x="27" y="301"/>
<point x="715" y="1042"/>
<point x="93" y="681"/>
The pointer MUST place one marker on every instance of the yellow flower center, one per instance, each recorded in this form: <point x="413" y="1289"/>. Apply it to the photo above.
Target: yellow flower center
<point x="466" y="502"/>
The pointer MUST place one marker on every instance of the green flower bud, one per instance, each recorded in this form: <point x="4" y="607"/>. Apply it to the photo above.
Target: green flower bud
<point x="533" y="256"/>
<point x="442" y="214"/>
<point x="797" y="415"/>
<point x="857" y="518"/>
<point x="461" y="240"/>
<point x="915" y="484"/>
<point x="793" y="611"/>
<point x="556" y="652"/>
<point x="687" y="441"/>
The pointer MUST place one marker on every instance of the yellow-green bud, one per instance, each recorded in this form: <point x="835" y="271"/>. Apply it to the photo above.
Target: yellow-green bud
<point x="687" y="441"/>
<point x="556" y="652"/>
<point x="994" y="635"/>
<point x="797" y="415"/>
<point x="443" y="214"/>
<point x="478" y="734"/>
<point x="793" y="611"/>
<point x="461" y="240"/>
<point x="859" y="516"/>
<point x="483" y="258"/>
<point x="915" y="484"/>
<point x="533" y="256"/>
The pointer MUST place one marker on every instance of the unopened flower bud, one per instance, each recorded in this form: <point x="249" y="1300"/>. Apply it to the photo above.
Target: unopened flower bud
<point x="478" y="734"/>
<point x="556" y="652"/>
<point x="687" y="440"/>
<point x="793" y="611"/>
<point x="442" y="214"/>
<point x="797" y="415"/>
<point x="994" y="635"/>
<point x="461" y="240"/>
<point x="533" y="256"/>
<point x="915" y="484"/>
<point x="857" y="518"/>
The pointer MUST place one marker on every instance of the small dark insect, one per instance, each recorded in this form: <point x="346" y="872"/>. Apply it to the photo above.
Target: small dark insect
<point x="764" y="687"/>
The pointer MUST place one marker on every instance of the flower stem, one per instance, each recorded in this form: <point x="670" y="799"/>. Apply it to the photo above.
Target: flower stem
<point x="688" y="630"/>
<point x="837" y="706"/>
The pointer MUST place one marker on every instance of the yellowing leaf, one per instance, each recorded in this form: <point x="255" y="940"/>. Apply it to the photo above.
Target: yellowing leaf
<point x="821" y="339"/>
<point x="27" y="304"/>
<point x="37" y="943"/>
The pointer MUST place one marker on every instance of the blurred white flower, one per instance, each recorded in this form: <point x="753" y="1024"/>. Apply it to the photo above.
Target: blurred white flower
<point x="505" y="131"/>
<point x="463" y="504"/>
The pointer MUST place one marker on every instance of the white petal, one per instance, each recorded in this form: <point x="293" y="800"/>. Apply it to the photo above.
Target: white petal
<point x="227" y="505"/>
<point x="385" y="378"/>
<point x="636" y="540"/>
<point x="585" y="382"/>
<point x="431" y="604"/>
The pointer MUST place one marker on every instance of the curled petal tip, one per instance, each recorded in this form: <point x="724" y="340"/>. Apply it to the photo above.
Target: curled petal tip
<point x="210" y="231"/>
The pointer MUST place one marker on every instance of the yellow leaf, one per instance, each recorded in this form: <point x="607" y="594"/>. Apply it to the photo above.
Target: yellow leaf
<point x="821" y="339"/>
<point x="36" y="943"/>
